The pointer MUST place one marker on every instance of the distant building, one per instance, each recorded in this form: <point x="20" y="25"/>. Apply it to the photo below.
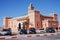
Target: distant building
<point x="59" y="26"/>
<point x="34" y="19"/>
<point x="1" y="28"/>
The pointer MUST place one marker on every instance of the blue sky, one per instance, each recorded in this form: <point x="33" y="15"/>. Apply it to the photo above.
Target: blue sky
<point x="15" y="8"/>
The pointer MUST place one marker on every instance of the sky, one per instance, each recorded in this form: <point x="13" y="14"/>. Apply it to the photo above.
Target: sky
<point x="16" y="8"/>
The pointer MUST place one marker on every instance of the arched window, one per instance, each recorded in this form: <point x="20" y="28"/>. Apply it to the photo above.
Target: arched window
<point x="19" y="26"/>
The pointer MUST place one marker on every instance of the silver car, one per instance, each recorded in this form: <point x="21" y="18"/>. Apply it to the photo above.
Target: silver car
<point x="5" y="32"/>
<point x="40" y="31"/>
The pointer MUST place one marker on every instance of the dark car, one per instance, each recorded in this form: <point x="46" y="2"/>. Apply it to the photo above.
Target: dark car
<point x="32" y="31"/>
<point x="23" y="31"/>
<point x="50" y="30"/>
<point x="5" y="32"/>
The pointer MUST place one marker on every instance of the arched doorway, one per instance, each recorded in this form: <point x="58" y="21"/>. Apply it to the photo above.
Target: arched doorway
<point x="19" y="26"/>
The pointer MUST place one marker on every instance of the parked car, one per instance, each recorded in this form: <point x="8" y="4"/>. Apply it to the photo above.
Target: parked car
<point x="56" y="30"/>
<point x="50" y="30"/>
<point x="32" y="31"/>
<point x="5" y="32"/>
<point x="40" y="31"/>
<point x="23" y="31"/>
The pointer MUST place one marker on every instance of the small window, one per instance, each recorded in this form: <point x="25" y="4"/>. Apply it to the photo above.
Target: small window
<point x="37" y="24"/>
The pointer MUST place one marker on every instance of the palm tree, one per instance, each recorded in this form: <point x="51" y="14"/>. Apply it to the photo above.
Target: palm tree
<point x="25" y="25"/>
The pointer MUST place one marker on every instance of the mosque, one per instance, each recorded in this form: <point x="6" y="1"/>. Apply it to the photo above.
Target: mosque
<point x="33" y="19"/>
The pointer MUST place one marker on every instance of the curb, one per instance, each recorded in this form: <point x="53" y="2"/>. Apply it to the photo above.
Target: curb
<point x="37" y="35"/>
<point x="28" y="36"/>
<point x="2" y="38"/>
<point x="14" y="37"/>
<point x="58" y="33"/>
<point x="46" y="34"/>
<point x="9" y="37"/>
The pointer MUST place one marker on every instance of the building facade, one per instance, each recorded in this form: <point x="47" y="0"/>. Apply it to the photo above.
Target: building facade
<point x="33" y="19"/>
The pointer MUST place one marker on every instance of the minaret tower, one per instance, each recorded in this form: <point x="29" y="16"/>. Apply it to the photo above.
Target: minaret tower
<point x="30" y="8"/>
<point x="34" y="17"/>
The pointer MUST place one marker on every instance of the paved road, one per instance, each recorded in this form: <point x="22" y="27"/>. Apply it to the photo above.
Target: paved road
<point x="57" y="37"/>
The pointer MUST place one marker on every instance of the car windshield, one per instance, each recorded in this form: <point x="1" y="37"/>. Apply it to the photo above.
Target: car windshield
<point x="50" y="28"/>
<point x="41" y="29"/>
<point x="32" y="29"/>
<point x="5" y="30"/>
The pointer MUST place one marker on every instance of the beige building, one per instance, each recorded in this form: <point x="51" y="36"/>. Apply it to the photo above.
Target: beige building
<point x="33" y="19"/>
